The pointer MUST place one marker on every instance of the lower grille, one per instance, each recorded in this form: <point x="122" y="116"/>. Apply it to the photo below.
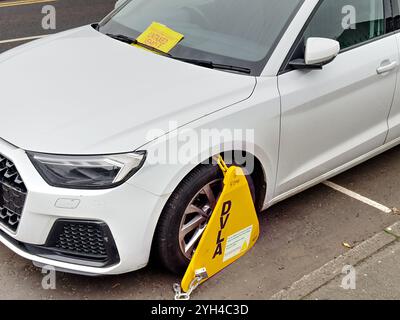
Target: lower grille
<point x="82" y="240"/>
<point x="75" y="248"/>
<point x="12" y="194"/>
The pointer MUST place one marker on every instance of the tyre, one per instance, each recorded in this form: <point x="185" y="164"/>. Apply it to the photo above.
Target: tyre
<point x="186" y="215"/>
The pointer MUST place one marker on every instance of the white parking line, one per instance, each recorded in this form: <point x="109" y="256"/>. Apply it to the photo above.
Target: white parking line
<point x="22" y="2"/>
<point x="21" y="39"/>
<point x="358" y="197"/>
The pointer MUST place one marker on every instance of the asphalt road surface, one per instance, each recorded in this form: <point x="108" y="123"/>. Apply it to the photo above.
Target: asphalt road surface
<point x="298" y="235"/>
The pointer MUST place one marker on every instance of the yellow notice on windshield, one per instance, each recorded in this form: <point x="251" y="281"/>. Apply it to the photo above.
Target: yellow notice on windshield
<point x="160" y="37"/>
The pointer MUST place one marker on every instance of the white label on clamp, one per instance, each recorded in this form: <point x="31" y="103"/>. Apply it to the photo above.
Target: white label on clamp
<point x="237" y="243"/>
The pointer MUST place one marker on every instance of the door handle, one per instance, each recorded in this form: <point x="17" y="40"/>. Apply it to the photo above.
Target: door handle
<point x="386" y="68"/>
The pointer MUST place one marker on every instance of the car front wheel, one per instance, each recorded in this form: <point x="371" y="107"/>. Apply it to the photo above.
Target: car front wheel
<point x="186" y="215"/>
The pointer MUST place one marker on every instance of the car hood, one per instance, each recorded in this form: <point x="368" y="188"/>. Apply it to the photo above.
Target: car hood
<point x="81" y="92"/>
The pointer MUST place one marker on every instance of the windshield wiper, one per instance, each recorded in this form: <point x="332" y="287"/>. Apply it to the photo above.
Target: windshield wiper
<point x="121" y="37"/>
<point x="203" y="63"/>
<point x="130" y="40"/>
<point x="212" y="65"/>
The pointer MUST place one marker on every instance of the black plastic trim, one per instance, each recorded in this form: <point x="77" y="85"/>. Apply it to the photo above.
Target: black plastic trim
<point x="13" y="186"/>
<point x="48" y="251"/>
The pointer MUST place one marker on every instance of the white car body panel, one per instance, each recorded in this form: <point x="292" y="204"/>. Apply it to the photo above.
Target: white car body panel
<point x="113" y="206"/>
<point x="264" y="104"/>
<point x="309" y="125"/>
<point x="147" y="94"/>
<point x="331" y="117"/>
<point x="394" y="117"/>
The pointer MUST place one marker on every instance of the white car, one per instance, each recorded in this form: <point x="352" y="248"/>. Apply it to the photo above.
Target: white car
<point x="85" y="116"/>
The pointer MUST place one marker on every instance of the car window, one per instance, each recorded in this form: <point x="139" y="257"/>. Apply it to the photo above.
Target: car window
<point x="241" y="32"/>
<point x="396" y="14"/>
<point x="351" y="22"/>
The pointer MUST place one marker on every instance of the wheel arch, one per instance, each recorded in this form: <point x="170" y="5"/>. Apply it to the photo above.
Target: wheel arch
<point x="263" y="177"/>
<point x="258" y="176"/>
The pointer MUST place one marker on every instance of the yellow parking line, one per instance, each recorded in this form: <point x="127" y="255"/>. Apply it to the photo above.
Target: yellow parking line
<point x="22" y="2"/>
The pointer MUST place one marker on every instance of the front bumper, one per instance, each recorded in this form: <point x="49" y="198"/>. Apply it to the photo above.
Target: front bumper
<point x="129" y="213"/>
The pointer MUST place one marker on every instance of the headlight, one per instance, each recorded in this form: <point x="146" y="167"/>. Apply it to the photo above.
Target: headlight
<point x="87" y="172"/>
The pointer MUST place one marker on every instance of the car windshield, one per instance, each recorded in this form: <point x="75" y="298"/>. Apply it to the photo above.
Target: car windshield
<point x="240" y="33"/>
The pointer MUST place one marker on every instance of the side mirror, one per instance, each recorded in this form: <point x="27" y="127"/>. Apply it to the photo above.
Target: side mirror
<point x="319" y="52"/>
<point x="119" y="3"/>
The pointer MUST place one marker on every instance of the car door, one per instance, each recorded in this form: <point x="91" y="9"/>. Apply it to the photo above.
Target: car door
<point x="332" y="116"/>
<point x="394" y="116"/>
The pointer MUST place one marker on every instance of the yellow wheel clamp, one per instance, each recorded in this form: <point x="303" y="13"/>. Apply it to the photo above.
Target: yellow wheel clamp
<point x="232" y="231"/>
